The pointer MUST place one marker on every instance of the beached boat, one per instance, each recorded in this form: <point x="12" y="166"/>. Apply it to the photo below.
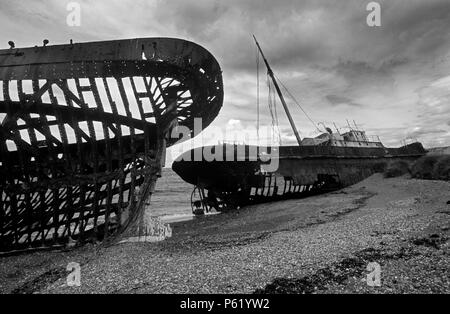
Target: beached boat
<point x="243" y="174"/>
<point x="84" y="128"/>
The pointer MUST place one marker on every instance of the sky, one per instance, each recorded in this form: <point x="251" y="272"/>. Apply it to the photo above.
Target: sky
<point x="393" y="80"/>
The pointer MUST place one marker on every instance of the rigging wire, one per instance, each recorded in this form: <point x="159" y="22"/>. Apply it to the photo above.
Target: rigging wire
<point x="273" y="111"/>
<point x="298" y="104"/>
<point x="269" y="103"/>
<point x="272" y="102"/>
<point x="276" y="116"/>
<point x="257" y="94"/>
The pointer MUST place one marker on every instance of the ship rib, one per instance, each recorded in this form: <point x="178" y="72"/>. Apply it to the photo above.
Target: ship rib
<point x="84" y="127"/>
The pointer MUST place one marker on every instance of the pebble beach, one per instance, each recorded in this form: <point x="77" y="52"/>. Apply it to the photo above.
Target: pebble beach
<point x="319" y="244"/>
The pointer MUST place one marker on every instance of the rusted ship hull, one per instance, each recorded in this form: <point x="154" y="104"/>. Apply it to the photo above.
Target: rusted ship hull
<point x="301" y="171"/>
<point x="84" y="129"/>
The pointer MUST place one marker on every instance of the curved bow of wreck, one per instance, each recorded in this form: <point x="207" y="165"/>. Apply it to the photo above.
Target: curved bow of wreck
<point x="84" y="129"/>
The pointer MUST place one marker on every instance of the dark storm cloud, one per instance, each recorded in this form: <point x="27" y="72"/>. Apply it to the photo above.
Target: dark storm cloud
<point x="312" y="32"/>
<point x="419" y="131"/>
<point x="341" y="100"/>
<point x="394" y="62"/>
<point x="393" y="76"/>
<point x="195" y="18"/>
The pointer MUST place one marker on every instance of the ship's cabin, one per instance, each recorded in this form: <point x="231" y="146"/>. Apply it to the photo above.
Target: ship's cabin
<point x="355" y="136"/>
<point x="352" y="138"/>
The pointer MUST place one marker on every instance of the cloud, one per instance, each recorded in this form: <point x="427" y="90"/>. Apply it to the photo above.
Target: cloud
<point x="391" y="79"/>
<point x="341" y="100"/>
<point x="420" y="131"/>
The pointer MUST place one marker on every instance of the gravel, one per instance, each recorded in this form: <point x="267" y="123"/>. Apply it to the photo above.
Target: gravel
<point x="320" y="244"/>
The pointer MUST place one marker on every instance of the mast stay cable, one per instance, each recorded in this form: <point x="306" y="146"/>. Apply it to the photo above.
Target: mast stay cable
<point x="297" y="103"/>
<point x="273" y="110"/>
<point x="280" y="95"/>
<point x="257" y="94"/>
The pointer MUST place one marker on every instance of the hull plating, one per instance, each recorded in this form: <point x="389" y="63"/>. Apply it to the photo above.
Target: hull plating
<point x="301" y="171"/>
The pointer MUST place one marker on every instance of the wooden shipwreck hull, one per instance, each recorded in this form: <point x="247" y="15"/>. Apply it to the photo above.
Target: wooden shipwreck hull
<point x="300" y="171"/>
<point x="84" y="129"/>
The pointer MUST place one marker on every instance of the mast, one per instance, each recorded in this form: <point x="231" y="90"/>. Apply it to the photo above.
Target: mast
<point x="269" y="70"/>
